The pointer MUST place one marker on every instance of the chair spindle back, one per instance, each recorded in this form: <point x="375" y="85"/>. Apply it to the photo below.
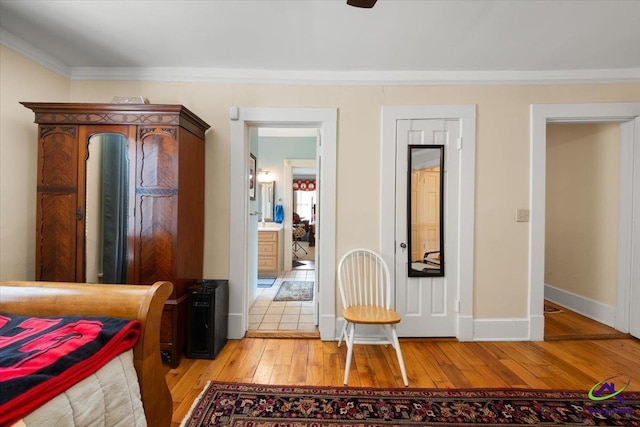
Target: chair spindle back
<point x="363" y="278"/>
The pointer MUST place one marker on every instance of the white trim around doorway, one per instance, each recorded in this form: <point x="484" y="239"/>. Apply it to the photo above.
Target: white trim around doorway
<point x="324" y="119"/>
<point x="628" y="115"/>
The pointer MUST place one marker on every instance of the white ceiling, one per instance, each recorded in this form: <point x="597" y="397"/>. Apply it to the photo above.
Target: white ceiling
<point x="397" y="41"/>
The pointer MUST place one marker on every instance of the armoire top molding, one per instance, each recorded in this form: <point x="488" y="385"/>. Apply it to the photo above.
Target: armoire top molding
<point x="117" y="114"/>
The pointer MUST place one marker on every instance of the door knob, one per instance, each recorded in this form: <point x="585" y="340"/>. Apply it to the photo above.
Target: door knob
<point x="403" y="245"/>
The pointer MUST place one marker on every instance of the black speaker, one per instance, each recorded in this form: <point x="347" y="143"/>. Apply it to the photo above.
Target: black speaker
<point x="207" y="320"/>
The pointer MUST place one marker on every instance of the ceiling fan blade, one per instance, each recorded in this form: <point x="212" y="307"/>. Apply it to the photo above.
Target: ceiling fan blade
<point x="368" y="4"/>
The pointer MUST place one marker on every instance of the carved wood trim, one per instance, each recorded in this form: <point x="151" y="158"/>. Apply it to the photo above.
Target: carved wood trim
<point x="172" y="132"/>
<point x="107" y="118"/>
<point x="120" y="114"/>
<point x="71" y="130"/>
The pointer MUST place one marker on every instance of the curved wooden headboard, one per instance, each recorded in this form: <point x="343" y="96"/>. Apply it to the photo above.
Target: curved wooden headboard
<point x="141" y="302"/>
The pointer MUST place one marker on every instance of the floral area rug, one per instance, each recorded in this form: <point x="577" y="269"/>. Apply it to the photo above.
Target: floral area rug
<point x="245" y="405"/>
<point x="295" y="291"/>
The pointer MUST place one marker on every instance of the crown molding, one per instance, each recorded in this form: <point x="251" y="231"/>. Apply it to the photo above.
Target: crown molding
<point x="360" y="78"/>
<point x="311" y="77"/>
<point x="28" y="50"/>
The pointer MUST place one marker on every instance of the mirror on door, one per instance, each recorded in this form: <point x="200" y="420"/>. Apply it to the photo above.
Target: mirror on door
<point x="107" y="209"/>
<point x="425" y="210"/>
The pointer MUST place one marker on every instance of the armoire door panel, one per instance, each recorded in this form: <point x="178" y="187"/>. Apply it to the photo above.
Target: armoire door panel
<point x="157" y="157"/>
<point x="58" y="164"/>
<point x="56" y="238"/>
<point x="156" y="238"/>
<point x="56" y="230"/>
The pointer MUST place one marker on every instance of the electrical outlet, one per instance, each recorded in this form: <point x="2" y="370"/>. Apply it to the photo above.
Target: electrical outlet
<point x="522" y="215"/>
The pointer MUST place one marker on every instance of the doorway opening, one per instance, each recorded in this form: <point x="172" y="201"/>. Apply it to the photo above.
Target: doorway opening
<point x="242" y="120"/>
<point x="284" y="302"/>
<point x="582" y="201"/>
<point x="627" y="115"/>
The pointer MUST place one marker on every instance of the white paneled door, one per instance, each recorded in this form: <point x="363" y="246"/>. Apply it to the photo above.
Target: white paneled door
<point x="427" y="304"/>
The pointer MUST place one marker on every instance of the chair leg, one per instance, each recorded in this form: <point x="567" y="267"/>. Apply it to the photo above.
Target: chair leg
<point x="299" y="246"/>
<point x="343" y="334"/>
<point x="396" y="345"/>
<point x="347" y="367"/>
<point x="296" y="247"/>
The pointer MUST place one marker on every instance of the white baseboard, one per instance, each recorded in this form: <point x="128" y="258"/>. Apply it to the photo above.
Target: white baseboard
<point x="501" y="330"/>
<point x="235" y="328"/>
<point x="524" y="329"/>
<point x="465" y="328"/>
<point x="326" y="327"/>
<point x="592" y="309"/>
<point x="536" y="328"/>
<point x="474" y="330"/>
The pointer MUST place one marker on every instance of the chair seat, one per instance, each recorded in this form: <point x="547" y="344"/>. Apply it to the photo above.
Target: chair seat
<point x="371" y="315"/>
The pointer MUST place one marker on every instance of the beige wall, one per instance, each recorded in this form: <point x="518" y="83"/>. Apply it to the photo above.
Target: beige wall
<point x="502" y="163"/>
<point x="21" y="80"/>
<point x="583" y="181"/>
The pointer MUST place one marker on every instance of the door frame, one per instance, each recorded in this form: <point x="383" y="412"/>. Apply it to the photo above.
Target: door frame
<point x="628" y="115"/>
<point x="241" y="118"/>
<point x="466" y="114"/>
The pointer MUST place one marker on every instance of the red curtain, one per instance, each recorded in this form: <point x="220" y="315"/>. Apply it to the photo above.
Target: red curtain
<point x="304" y="185"/>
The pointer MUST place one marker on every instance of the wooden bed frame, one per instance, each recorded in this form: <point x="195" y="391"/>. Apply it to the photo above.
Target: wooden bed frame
<point x="144" y="303"/>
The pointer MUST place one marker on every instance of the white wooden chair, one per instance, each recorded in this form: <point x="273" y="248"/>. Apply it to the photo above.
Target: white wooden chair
<point x="365" y="290"/>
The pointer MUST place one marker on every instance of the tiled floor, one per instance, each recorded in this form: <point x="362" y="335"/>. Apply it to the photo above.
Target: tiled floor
<point x="268" y="315"/>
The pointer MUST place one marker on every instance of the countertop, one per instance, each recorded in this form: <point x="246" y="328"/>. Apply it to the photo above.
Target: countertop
<point x="269" y="226"/>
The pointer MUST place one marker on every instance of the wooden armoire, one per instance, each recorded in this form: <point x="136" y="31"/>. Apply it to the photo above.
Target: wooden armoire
<point x="162" y="199"/>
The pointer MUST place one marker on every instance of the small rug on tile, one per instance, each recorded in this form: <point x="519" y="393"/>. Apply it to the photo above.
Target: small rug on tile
<point x="244" y="405"/>
<point x="266" y="282"/>
<point x="295" y="291"/>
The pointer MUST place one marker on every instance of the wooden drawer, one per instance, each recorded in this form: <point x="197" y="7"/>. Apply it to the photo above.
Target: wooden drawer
<point x="267" y="264"/>
<point x="267" y="236"/>
<point x="267" y="248"/>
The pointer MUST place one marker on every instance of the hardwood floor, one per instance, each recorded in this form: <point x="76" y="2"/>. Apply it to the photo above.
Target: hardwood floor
<point x="570" y="364"/>
<point x="566" y="324"/>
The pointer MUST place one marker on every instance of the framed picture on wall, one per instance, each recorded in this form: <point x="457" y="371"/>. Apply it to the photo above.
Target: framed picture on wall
<point x="252" y="176"/>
